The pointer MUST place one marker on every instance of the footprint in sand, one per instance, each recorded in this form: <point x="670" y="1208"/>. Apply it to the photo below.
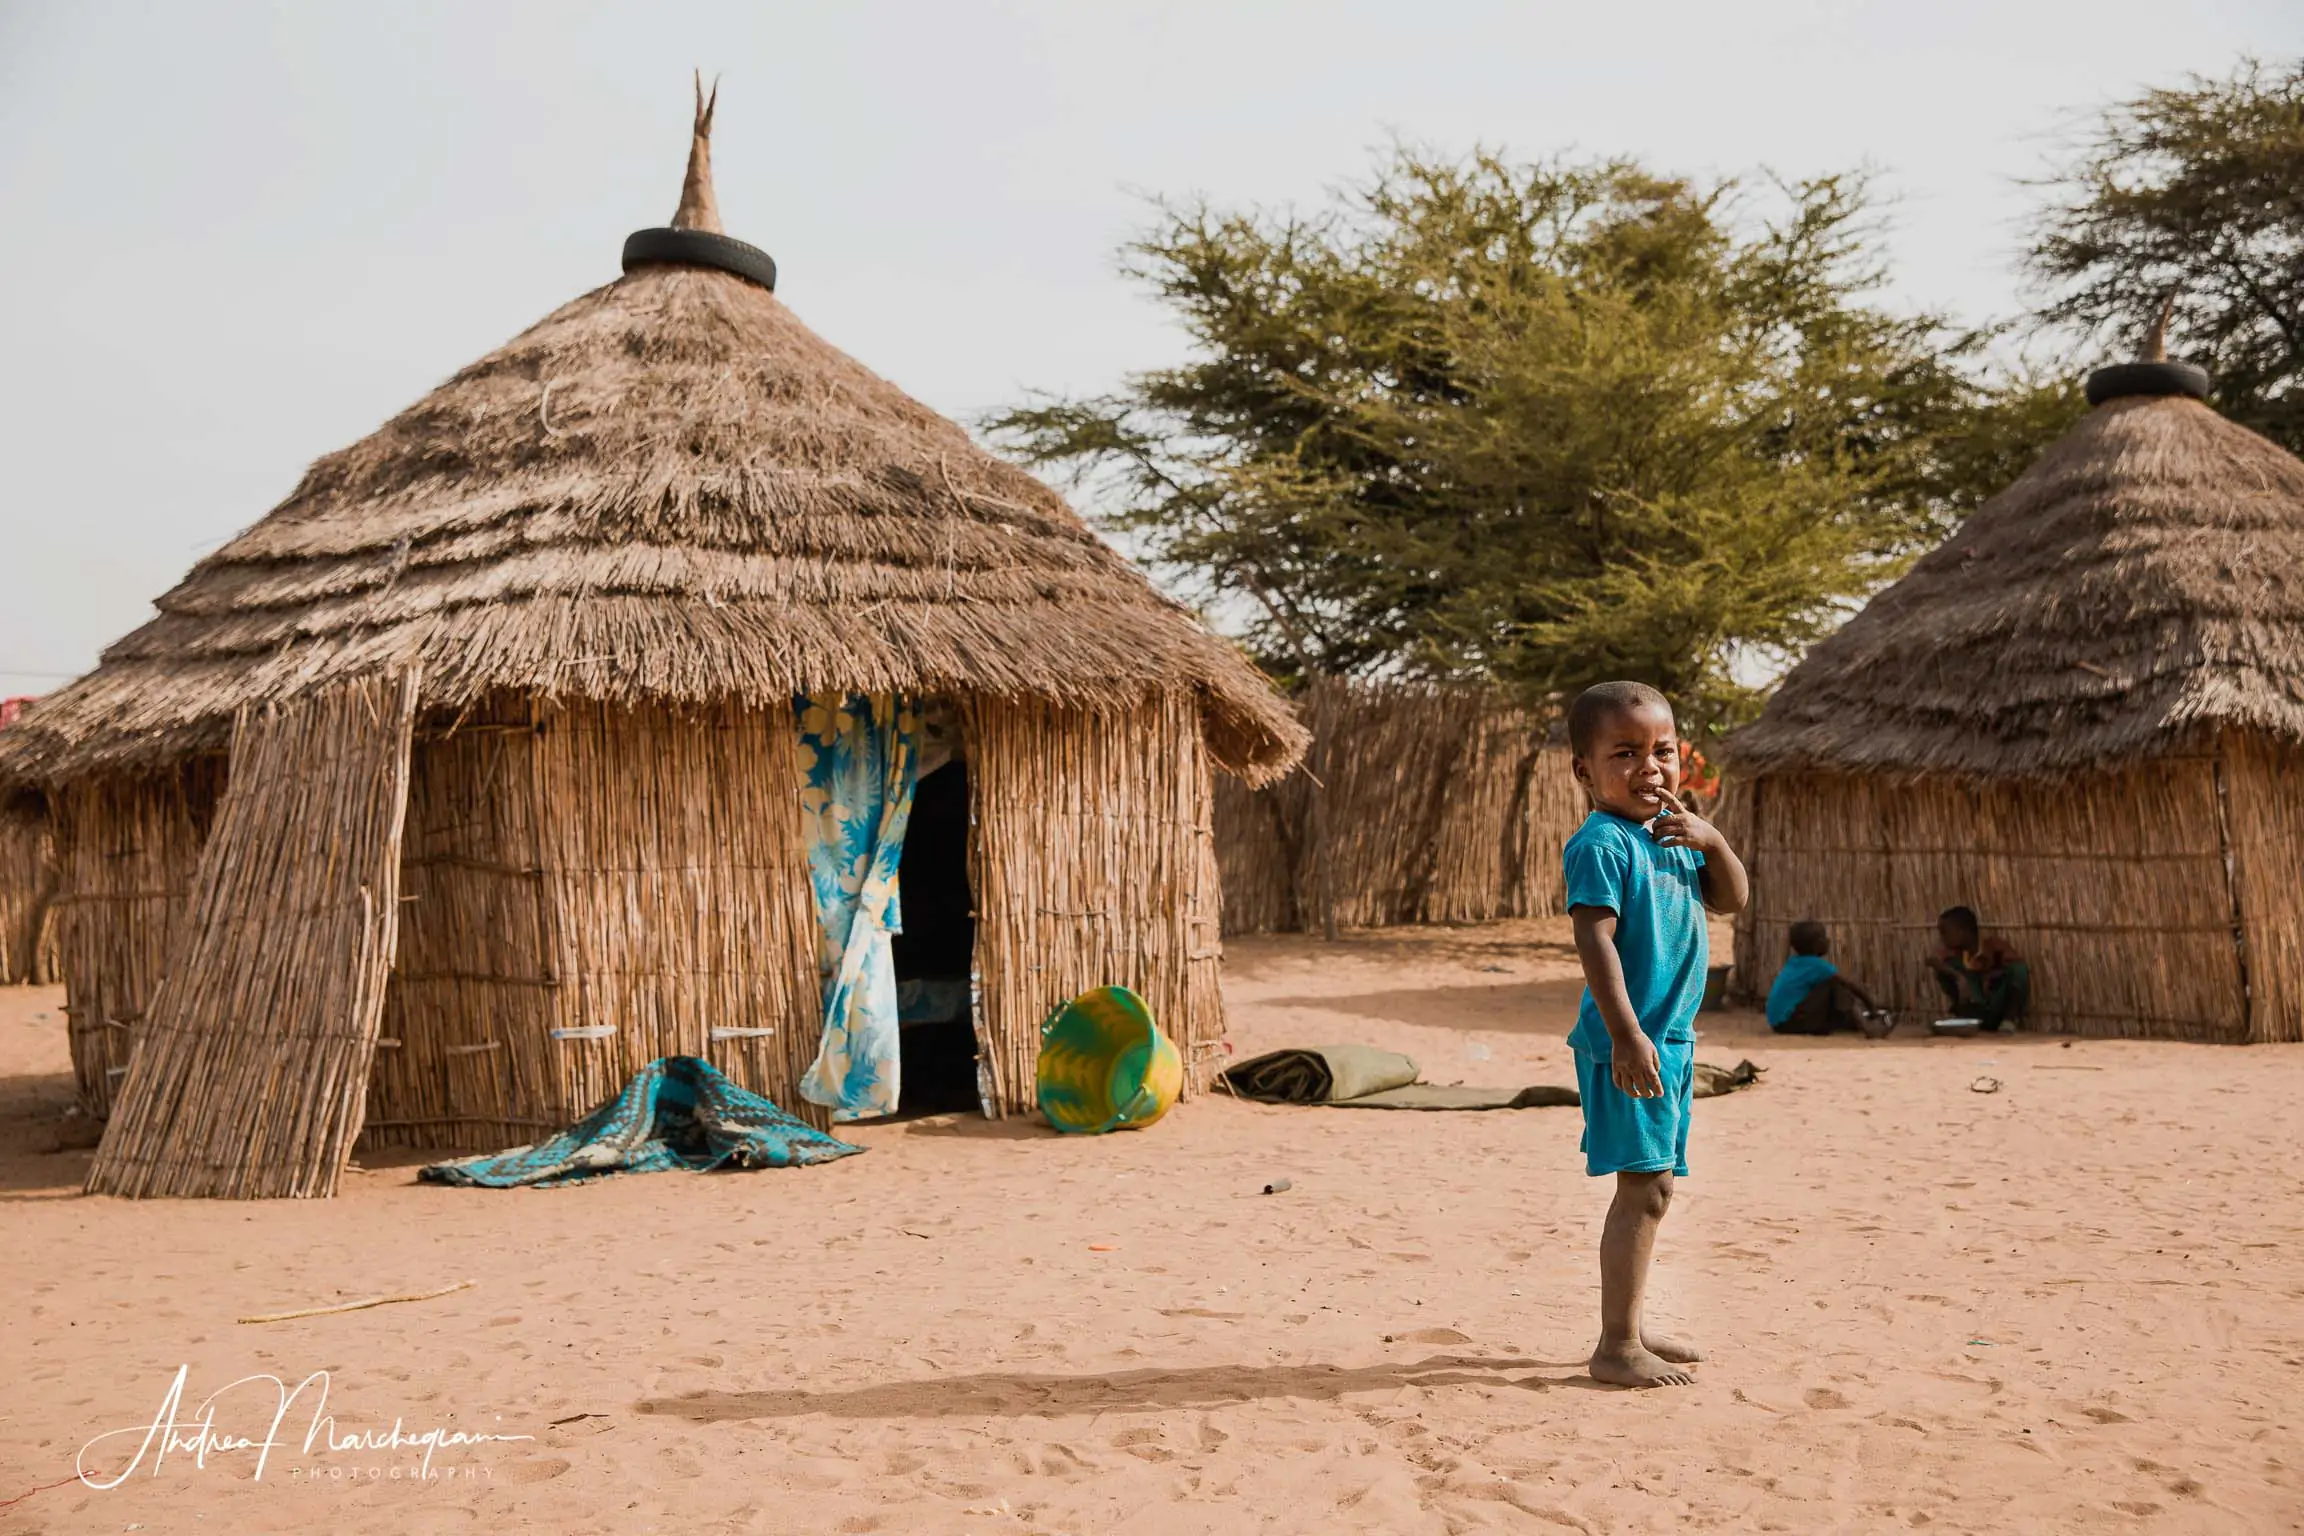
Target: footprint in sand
<point x="1143" y="1444"/>
<point x="534" y="1471"/>
<point x="1824" y="1397"/>
<point x="2107" y="1416"/>
<point x="1432" y="1336"/>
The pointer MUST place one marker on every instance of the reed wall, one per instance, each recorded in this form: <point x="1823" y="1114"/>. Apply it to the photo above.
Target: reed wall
<point x="2113" y="887"/>
<point x="127" y="853"/>
<point x="465" y="1058"/>
<point x="2264" y="805"/>
<point x="673" y="848"/>
<point x="1416" y="804"/>
<point x="585" y="888"/>
<point x="249" y="1078"/>
<point x="593" y="887"/>
<point x="1093" y="863"/>
<point x="29" y="951"/>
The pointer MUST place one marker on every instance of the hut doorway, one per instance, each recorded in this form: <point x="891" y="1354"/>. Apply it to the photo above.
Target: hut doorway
<point x="936" y="951"/>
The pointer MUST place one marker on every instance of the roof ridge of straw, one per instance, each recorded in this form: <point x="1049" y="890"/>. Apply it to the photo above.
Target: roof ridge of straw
<point x="2139" y="588"/>
<point x="668" y="489"/>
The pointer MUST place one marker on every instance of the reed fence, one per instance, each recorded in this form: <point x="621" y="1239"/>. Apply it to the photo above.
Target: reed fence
<point x="249" y="1079"/>
<point x="1416" y="804"/>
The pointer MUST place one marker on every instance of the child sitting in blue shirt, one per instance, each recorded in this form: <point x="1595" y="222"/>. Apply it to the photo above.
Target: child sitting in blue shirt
<point x="1811" y="997"/>
<point x="1641" y="874"/>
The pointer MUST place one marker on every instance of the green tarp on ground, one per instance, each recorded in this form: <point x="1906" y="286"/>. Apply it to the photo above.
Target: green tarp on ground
<point x="1362" y="1077"/>
<point x="1320" y="1074"/>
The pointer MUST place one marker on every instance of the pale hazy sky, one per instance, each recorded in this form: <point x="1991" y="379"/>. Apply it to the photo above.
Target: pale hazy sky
<point x="236" y="236"/>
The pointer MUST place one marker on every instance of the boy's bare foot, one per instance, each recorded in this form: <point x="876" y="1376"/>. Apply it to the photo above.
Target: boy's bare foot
<point x="1665" y="1347"/>
<point x="1632" y="1365"/>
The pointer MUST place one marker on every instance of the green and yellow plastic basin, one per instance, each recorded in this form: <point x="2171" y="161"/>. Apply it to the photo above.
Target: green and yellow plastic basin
<point x="1104" y="1064"/>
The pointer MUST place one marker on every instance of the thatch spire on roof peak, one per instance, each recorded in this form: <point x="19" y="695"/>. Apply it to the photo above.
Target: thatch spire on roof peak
<point x="698" y="208"/>
<point x="2156" y="339"/>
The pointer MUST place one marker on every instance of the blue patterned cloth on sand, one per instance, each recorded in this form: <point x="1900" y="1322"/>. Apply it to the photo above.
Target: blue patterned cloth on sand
<point x="677" y="1112"/>
<point x="859" y="761"/>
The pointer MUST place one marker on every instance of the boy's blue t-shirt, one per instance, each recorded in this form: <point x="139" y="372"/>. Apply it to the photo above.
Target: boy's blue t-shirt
<point x="1793" y="984"/>
<point x="1612" y="862"/>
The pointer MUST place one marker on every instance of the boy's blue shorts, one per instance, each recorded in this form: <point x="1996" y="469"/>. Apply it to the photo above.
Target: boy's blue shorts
<point x="1623" y="1134"/>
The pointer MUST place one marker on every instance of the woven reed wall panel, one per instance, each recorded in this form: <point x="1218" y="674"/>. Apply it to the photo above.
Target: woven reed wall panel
<point x="2113" y="888"/>
<point x="1257" y="833"/>
<point x="675" y="873"/>
<point x="2264" y="788"/>
<point x="127" y="852"/>
<point x="1733" y="814"/>
<point x="1417" y="804"/>
<point x="28" y="879"/>
<point x="1093" y="864"/>
<point x="467" y="1059"/>
<point x="250" y="1078"/>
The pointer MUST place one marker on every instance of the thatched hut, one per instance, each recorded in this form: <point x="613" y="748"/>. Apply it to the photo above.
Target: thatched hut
<point x="2083" y="716"/>
<point x="610" y="556"/>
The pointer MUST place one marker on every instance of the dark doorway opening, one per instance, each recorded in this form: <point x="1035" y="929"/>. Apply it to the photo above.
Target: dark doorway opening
<point x="936" y="950"/>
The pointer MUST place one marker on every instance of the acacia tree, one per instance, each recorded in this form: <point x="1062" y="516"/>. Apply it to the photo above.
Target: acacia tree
<point x="1536" y="424"/>
<point x="2195" y="192"/>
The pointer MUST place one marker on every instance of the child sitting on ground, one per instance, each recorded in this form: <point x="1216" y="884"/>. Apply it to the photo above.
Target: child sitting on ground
<point x="1641" y="874"/>
<point x="1811" y="997"/>
<point x="1982" y="975"/>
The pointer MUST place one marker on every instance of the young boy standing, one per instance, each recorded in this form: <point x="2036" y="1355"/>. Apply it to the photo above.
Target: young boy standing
<point x="1642" y="872"/>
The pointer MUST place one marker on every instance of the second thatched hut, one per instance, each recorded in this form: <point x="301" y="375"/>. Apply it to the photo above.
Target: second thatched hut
<point x="2082" y="716"/>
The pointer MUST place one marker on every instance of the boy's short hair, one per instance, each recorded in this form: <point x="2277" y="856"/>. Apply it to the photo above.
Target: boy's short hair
<point x="1960" y="917"/>
<point x="1599" y="702"/>
<point x="1809" y="937"/>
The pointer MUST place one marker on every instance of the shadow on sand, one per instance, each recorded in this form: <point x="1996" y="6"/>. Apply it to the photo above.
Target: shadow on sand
<point x="1118" y="1391"/>
<point x="1508" y="1007"/>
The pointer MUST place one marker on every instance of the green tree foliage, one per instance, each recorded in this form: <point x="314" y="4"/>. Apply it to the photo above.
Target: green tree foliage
<point x="2196" y="192"/>
<point x="1539" y="424"/>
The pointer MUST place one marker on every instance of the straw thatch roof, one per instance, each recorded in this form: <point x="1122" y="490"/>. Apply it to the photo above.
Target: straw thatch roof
<point x="670" y="489"/>
<point x="2137" y="588"/>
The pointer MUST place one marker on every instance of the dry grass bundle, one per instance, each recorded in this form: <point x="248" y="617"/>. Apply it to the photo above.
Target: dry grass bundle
<point x="250" y="1078"/>
<point x="1417" y="804"/>
<point x="1093" y="865"/>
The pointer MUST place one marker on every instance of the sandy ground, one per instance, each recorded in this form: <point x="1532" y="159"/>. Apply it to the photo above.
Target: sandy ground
<point x="2074" y="1304"/>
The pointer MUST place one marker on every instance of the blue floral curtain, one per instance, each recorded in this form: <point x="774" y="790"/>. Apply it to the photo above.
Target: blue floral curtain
<point x="859" y="758"/>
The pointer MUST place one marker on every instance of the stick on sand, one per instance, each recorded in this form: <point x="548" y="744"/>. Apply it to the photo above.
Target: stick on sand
<point x="354" y="1306"/>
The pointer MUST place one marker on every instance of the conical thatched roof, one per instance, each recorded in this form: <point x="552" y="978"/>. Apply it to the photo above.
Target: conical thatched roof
<point x="2137" y="588"/>
<point x="669" y="489"/>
